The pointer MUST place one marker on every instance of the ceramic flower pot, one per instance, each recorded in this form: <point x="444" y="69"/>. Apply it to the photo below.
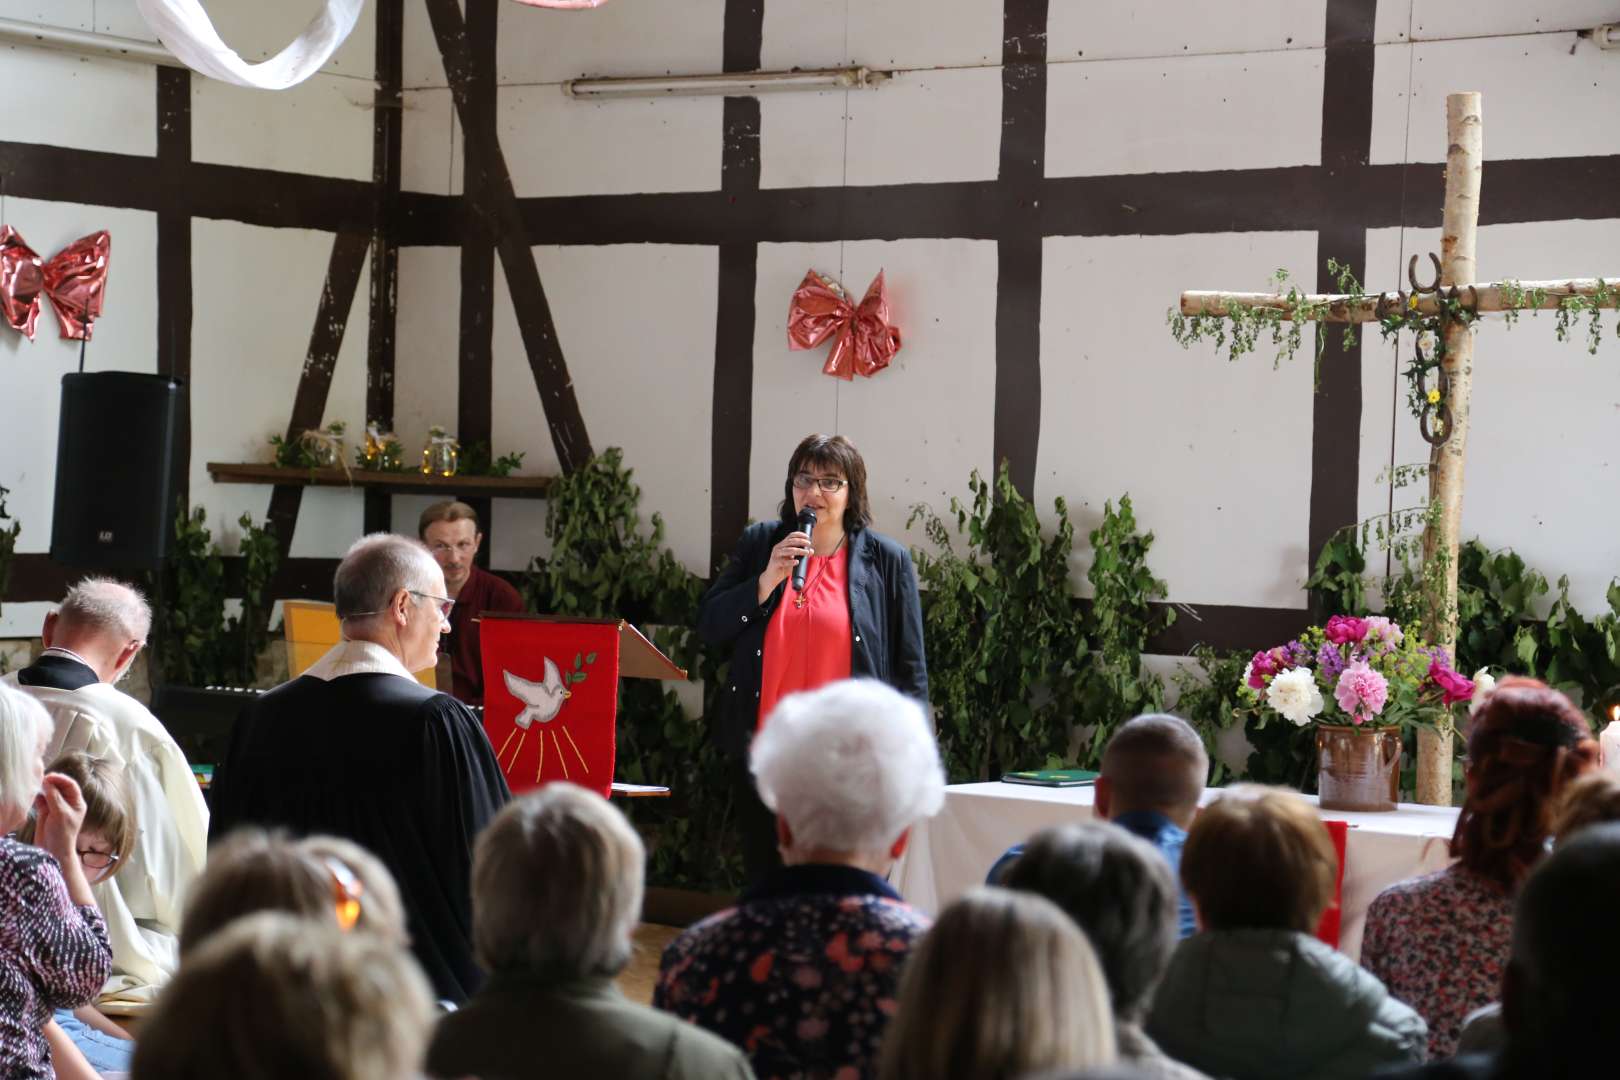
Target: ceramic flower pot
<point x="1360" y="767"/>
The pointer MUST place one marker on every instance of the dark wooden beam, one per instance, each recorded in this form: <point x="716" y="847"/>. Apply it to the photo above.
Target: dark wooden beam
<point x="386" y="135"/>
<point x="343" y="268"/>
<point x="498" y="204"/>
<point x="174" y="284"/>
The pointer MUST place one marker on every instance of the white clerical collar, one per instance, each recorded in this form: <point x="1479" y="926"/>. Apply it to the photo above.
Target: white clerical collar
<point x="357" y="658"/>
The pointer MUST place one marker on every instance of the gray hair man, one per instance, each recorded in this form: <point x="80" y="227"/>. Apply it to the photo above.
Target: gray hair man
<point x="1119" y="890"/>
<point x="91" y="640"/>
<point x="557" y="887"/>
<point x="357" y="748"/>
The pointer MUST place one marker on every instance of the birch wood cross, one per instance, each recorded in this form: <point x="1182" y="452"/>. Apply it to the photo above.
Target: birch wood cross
<point x="1456" y="285"/>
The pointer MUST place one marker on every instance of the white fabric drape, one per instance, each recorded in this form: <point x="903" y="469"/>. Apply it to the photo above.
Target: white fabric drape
<point x="186" y="31"/>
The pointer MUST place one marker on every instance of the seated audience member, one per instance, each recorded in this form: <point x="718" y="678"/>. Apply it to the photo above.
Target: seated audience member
<point x="319" y="878"/>
<point x="357" y="748"/>
<point x="91" y="640"/>
<point x="1152" y="776"/>
<point x="53" y="942"/>
<point x="1118" y="890"/>
<point x="105" y="840"/>
<point x="803" y="972"/>
<point x="1439" y="942"/>
<point x="450" y="531"/>
<point x="1003" y="985"/>
<point x="1558" y="989"/>
<point x="557" y="886"/>
<point x="1255" y="995"/>
<point x="274" y="996"/>
<point x="1590" y="800"/>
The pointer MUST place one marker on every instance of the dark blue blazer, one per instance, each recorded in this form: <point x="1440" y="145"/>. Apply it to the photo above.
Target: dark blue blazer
<point x="885" y="617"/>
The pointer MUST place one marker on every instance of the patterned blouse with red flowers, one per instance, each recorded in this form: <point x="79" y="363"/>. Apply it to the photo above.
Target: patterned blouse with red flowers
<point x="803" y="974"/>
<point x="53" y="955"/>
<point x="1440" y="943"/>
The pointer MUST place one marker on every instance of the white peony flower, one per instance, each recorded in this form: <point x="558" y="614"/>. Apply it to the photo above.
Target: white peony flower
<point x="1483" y="683"/>
<point x="1248" y="670"/>
<point x="1295" y="694"/>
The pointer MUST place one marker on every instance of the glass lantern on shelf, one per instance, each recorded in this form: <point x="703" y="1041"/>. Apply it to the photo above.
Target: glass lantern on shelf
<point x="441" y="454"/>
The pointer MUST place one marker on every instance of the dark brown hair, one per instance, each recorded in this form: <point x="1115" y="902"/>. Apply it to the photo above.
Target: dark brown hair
<point x="836" y="453"/>
<point x="1259" y="858"/>
<point x="1589" y="800"/>
<point x="1524" y="745"/>
<point x="109" y="807"/>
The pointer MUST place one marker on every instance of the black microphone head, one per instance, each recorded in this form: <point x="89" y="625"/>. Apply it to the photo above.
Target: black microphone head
<point x="807" y="519"/>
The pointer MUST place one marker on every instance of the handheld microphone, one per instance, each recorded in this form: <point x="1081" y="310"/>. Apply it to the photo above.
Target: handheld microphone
<point x="807" y="523"/>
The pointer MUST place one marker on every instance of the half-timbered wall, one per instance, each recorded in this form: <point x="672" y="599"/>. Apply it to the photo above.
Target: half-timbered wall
<point x="1039" y="182"/>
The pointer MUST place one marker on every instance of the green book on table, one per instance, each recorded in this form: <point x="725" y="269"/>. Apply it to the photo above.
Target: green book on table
<point x="1051" y="777"/>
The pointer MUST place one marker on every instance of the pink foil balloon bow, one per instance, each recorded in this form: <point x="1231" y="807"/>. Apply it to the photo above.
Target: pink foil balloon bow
<point x="564" y="5"/>
<point x="866" y="340"/>
<point x="75" y="281"/>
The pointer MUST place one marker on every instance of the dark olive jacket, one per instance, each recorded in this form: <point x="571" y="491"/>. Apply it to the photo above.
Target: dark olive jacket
<point x="885" y="622"/>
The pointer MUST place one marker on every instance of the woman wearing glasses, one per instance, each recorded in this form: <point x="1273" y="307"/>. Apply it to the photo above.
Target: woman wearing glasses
<point x="857" y="615"/>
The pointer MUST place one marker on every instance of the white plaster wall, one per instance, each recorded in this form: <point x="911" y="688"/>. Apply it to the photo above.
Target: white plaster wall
<point x="63" y="100"/>
<point x="1215" y="456"/>
<point x="245" y="370"/>
<point x="923" y="423"/>
<point x="642" y="368"/>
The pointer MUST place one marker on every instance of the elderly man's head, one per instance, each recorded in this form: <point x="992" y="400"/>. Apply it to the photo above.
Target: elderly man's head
<point x="556" y="886"/>
<point x="102" y="621"/>
<point x="389" y="590"/>
<point x="848" y="768"/>
<point x="1559" y="982"/>
<point x="1155" y="763"/>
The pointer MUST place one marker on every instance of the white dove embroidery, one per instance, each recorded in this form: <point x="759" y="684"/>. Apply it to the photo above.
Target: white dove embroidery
<point x="541" y="700"/>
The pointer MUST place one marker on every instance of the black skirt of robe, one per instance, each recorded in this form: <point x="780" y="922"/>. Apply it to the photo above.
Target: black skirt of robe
<point x="383" y="761"/>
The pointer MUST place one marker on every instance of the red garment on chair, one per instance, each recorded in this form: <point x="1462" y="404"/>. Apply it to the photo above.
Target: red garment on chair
<point x="1328" y="929"/>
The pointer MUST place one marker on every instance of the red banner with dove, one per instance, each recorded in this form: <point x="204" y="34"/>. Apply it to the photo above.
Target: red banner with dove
<point x="551" y="700"/>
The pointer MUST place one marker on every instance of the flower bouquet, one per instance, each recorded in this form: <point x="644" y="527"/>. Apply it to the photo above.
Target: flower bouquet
<point x="1360" y="681"/>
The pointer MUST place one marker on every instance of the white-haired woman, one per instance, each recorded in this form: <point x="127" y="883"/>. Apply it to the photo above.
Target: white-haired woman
<point x="804" y="972"/>
<point x="55" y="952"/>
<point x="557" y="886"/>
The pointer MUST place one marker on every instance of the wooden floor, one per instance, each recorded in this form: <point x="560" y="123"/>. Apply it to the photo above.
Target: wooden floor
<point x="638" y="979"/>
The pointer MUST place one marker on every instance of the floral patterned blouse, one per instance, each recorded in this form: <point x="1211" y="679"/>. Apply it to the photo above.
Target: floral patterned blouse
<point x="1440" y="943"/>
<point x="802" y="974"/>
<point x="52" y="955"/>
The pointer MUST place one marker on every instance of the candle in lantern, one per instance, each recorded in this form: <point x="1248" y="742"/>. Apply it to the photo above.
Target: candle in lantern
<point x="1610" y="741"/>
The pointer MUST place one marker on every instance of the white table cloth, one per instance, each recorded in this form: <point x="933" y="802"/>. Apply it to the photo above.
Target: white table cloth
<point x="953" y="852"/>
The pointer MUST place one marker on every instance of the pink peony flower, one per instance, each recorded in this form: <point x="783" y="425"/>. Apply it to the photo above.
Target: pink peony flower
<point x="1345" y="630"/>
<point x="1361" y="692"/>
<point x="1453" y="686"/>
<point x="1262" y="667"/>
<point x="1380" y="628"/>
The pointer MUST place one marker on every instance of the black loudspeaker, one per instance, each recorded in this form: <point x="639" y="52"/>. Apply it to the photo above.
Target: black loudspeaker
<point x="115" y="470"/>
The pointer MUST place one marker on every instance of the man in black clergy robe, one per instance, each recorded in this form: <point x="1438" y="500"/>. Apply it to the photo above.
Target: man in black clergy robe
<point x="356" y="747"/>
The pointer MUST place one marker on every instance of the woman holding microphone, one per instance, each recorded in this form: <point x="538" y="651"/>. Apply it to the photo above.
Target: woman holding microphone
<point x="856" y="614"/>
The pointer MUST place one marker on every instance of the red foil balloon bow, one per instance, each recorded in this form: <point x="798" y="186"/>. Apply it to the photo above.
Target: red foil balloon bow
<point x="866" y="340"/>
<point x="564" y="5"/>
<point x="75" y="280"/>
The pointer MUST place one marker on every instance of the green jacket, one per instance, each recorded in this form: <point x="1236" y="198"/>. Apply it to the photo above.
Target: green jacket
<point x="516" y="1028"/>
<point x="1278" y="1005"/>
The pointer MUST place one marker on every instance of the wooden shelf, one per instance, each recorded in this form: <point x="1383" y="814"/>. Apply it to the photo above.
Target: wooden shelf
<point x="401" y="483"/>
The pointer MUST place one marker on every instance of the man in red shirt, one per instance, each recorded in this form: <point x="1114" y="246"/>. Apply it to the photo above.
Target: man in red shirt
<point x="450" y="530"/>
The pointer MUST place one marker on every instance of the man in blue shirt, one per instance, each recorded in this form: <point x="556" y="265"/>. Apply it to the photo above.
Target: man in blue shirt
<point x="1153" y="774"/>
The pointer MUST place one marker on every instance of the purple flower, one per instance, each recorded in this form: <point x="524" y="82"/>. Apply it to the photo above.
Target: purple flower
<point x="1453" y="686"/>
<point x="1361" y="692"/>
<point x="1295" y="654"/>
<point x="1345" y="630"/>
<point x="1329" y="661"/>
